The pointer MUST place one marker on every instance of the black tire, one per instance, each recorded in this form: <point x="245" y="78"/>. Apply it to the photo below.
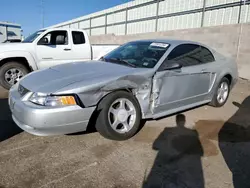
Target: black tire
<point x="215" y="102"/>
<point x="102" y="123"/>
<point x="7" y="66"/>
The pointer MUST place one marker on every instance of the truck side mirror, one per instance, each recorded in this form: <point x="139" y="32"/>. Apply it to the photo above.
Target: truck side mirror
<point x="43" y="41"/>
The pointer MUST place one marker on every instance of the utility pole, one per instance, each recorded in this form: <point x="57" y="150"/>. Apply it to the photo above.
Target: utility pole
<point x="241" y="30"/>
<point x="42" y="12"/>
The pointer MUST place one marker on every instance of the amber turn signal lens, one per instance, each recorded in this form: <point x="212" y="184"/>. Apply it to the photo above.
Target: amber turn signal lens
<point x="68" y="100"/>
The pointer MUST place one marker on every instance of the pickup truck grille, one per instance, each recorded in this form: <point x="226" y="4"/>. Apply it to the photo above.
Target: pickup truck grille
<point x="22" y="90"/>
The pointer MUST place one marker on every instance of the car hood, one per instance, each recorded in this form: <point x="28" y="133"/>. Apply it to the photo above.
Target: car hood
<point x="88" y="73"/>
<point x="5" y="47"/>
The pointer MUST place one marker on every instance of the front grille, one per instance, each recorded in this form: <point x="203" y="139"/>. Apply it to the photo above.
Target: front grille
<point x="22" y="90"/>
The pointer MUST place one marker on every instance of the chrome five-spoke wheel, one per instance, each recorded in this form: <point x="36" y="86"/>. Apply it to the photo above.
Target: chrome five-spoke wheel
<point x="119" y="116"/>
<point x="122" y="115"/>
<point x="222" y="92"/>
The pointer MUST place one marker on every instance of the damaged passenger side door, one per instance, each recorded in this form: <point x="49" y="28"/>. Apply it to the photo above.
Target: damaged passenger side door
<point x="180" y="82"/>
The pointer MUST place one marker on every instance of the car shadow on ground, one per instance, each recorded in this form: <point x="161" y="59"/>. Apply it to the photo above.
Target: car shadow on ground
<point x="7" y="127"/>
<point x="178" y="161"/>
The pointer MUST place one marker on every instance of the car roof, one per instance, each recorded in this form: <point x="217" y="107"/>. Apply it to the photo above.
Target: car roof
<point x="170" y="41"/>
<point x="175" y="42"/>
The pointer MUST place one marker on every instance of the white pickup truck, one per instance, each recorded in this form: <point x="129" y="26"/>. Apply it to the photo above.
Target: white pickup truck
<point x="46" y="48"/>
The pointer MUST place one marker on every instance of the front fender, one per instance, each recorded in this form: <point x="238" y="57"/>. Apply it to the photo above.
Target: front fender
<point x="14" y="54"/>
<point x="140" y="86"/>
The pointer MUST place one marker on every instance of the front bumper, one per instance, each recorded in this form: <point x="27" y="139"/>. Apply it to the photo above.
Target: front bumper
<point x="45" y="121"/>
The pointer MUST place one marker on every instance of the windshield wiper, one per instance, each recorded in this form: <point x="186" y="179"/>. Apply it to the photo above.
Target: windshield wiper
<point x="121" y="61"/>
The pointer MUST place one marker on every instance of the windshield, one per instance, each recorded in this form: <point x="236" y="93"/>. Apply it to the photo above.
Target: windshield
<point x="32" y="37"/>
<point x="139" y="54"/>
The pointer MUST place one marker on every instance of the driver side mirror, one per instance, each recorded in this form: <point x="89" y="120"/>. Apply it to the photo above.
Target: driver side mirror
<point x="43" y="41"/>
<point x="172" y="66"/>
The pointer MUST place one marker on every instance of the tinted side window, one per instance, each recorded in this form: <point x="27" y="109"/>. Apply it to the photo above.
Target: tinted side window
<point x="78" y="37"/>
<point x="206" y="55"/>
<point x="186" y="55"/>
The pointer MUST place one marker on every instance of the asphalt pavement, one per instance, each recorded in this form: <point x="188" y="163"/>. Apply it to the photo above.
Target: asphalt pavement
<point x="203" y="147"/>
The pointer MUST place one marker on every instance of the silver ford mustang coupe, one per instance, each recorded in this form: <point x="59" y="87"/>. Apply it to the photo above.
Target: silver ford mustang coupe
<point x="145" y="79"/>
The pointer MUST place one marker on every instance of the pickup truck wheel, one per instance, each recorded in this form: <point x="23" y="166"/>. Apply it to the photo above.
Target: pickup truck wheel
<point x="221" y="93"/>
<point x="11" y="73"/>
<point x="119" y="116"/>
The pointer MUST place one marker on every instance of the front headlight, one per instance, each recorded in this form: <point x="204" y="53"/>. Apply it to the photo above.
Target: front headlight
<point x="47" y="100"/>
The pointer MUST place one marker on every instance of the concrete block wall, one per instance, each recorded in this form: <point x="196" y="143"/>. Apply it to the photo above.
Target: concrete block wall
<point x="224" y="39"/>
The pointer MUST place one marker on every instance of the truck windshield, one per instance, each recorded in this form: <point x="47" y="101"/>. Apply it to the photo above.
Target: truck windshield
<point x="33" y="36"/>
<point x="142" y="54"/>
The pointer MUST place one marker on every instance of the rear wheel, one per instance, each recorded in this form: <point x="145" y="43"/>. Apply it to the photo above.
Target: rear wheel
<point x="11" y="73"/>
<point x="221" y="94"/>
<point x="119" y="116"/>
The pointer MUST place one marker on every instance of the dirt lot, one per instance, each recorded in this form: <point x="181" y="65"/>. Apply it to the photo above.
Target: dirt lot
<point x="211" y="151"/>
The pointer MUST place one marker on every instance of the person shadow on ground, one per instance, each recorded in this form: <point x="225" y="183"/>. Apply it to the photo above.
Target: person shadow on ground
<point x="178" y="162"/>
<point x="234" y="143"/>
<point x="7" y="126"/>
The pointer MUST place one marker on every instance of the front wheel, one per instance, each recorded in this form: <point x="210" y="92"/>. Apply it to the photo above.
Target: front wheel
<point x="11" y="73"/>
<point x="119" y="116"/>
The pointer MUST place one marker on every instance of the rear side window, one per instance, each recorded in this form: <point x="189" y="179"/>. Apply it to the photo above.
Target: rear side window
<point x="206" y="55"/>
<point x="186" y="55"/>
<point x="78" y="37"/>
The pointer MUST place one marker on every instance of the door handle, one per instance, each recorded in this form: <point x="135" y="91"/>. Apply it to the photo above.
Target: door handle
<point x="204" y="70"/>
<point x="67" y="49"/>
<point x="47" y="58"/>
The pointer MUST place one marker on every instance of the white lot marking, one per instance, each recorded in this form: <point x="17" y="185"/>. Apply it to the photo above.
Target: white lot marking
<point x="17" y="148"/>
<point x="70" y="174"/>
<point x="19" y="143"/>
<point x="21" y="147"/>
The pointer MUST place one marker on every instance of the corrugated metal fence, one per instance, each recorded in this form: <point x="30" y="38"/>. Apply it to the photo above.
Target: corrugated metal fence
<point x="142" y="16"/>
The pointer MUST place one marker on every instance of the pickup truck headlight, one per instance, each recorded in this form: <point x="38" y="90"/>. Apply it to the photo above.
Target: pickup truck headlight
<point x="47" y="100"/>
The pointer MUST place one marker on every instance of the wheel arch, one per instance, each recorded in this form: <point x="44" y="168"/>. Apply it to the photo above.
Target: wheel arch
<point x="229" y="77"/>
<point x="24" y="58"/>
<point x="101" y="120"/>
<point x="96" y="112"/>
<point x="21" y="60"/>
<point x="129" y="90"/>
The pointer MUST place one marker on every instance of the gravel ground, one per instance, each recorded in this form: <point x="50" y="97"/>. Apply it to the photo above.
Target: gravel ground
<point x="204" y="147"/>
